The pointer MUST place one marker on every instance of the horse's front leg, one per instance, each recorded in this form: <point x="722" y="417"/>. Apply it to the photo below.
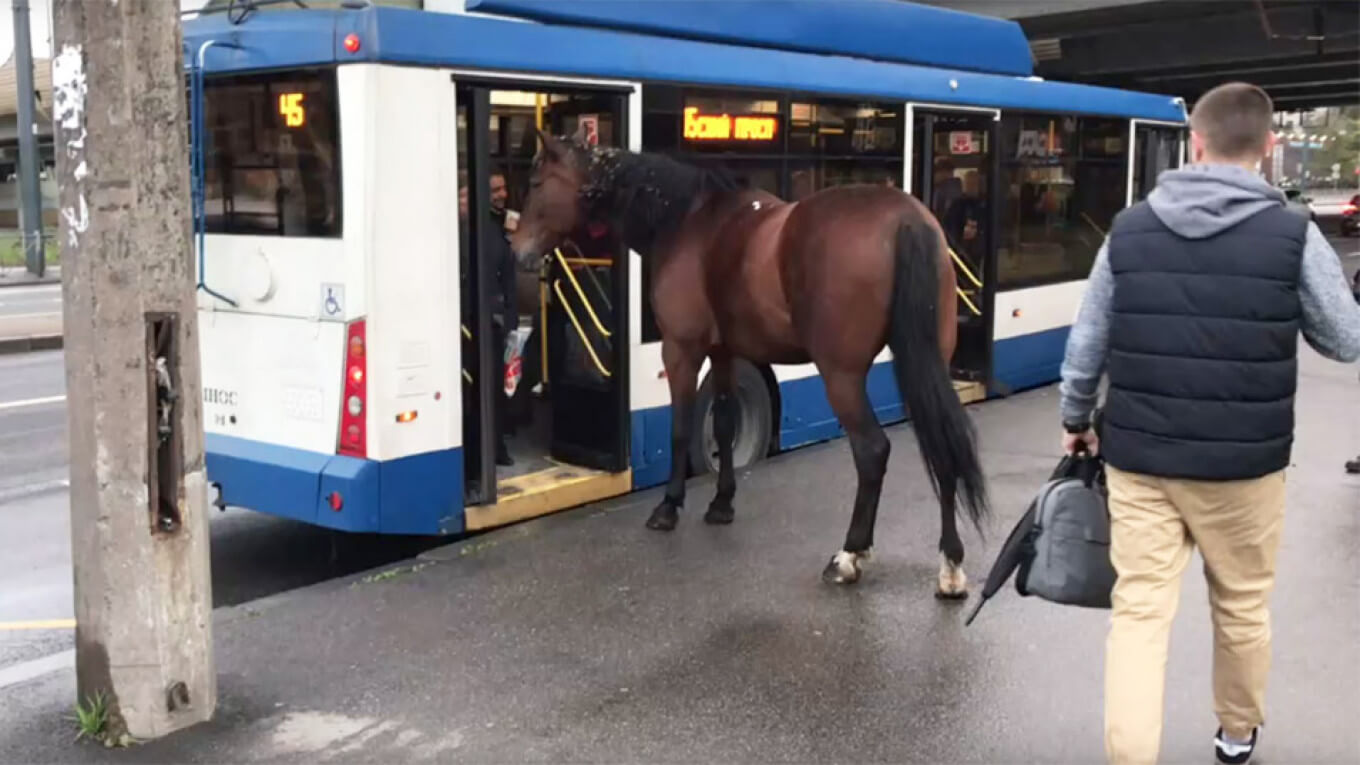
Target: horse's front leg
<point x="724" y="432"/>
<point x="682" y="372"/>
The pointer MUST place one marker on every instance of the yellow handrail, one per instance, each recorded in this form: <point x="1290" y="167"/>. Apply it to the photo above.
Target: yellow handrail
<point x="965" y="299"/>
<point x="557" y="287"/>
<point x="468" y="334"/>
<point x="579" y="259"/>
<point x="976" y="282"/>
<point x="585" y="301"/>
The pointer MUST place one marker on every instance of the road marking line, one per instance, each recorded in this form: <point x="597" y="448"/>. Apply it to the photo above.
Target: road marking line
<point x="23" y="492"/>
<point x="7" y="316"/>
<point x="32" y="289"/>
<point x="31" y="402"/>
<point x="39" y="624"/>
<point x="31" y="670"/>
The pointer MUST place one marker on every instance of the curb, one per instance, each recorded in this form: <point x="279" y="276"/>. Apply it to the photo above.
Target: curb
<point x="29" y="282"/>
<point x="27" y="344"/>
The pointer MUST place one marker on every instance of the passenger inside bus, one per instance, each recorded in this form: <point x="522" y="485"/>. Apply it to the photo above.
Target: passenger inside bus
<point x="964" y="220"/>
<point x="496" y="255"/>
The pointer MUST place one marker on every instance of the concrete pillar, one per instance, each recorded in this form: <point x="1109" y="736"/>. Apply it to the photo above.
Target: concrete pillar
<point x="139" y="522"/>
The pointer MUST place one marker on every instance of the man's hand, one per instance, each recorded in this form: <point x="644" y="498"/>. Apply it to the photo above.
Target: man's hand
<point x="1088" y="439"/>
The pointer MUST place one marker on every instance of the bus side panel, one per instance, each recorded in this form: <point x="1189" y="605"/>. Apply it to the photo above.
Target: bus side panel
<point x="805" y="413"/>
<point x="1031" y="333"/>
<point x="414" y="362"/>
<point x="806" y="416"/>
<point x="271" y="380"/>
<point x="649" y="399"/>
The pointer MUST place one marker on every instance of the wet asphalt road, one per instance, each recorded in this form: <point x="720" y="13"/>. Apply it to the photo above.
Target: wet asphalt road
<point x="252" y="555"/>
<point x="586" y="637"/>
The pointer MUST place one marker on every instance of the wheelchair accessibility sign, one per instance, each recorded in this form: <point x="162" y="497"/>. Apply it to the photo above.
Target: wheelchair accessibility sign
<point x="332" y="306"/>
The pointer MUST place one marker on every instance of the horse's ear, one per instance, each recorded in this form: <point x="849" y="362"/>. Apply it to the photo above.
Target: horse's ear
<point x="553" y="148"/>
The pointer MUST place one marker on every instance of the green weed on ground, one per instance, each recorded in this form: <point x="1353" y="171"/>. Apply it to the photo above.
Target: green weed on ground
<point x="12" y="249"/>
<point x="92" y="722"/>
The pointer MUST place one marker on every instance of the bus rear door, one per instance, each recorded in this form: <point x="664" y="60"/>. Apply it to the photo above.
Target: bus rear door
<point x="562" y="416"/>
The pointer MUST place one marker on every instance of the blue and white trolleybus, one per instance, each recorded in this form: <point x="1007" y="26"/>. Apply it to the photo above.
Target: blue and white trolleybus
<point x="356" y="167"/>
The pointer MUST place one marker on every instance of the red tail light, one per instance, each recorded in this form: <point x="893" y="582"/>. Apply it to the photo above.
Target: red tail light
<point x="1348" y="210"/>
<point x="354" y="394"/>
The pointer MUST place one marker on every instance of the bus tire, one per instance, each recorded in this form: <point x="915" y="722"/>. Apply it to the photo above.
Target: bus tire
<point x="755" y="421"/>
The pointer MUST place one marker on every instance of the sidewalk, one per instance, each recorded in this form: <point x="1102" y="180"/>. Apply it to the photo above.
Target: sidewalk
<point x="18" y="276"/>
<point x="586" y="637"/>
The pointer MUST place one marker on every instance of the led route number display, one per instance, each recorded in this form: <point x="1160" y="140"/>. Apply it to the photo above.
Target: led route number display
<point x="722" y="127"/>
<point x="290" y="108"/>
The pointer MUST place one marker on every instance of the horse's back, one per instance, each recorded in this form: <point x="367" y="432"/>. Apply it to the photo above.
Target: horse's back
<point x="836" y="254"/>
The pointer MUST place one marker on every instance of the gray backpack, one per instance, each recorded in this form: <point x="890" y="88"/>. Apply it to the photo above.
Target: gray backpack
<point x="1067" y="558"/>
<point x="1061" y="545"/>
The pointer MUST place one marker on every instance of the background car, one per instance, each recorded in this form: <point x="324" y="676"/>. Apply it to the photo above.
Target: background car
<point x="1350" y="219"/>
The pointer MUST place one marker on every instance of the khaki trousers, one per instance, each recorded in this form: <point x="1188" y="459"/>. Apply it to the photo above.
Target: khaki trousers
<point x="1154" y="524"/>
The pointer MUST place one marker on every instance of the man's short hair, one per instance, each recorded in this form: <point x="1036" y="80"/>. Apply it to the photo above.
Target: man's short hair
<point x="1234" y="120"/>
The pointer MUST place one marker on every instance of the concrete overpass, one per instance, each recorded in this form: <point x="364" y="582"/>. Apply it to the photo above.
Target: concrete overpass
<point x="1305" y="53"/>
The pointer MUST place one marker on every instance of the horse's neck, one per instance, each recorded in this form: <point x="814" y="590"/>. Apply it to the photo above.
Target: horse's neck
<point x="647" y="209"/>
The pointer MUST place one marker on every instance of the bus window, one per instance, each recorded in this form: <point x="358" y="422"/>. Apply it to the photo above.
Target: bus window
<point x="272" y="164"/>
<point x="1156" y="149"/>
<point x="837" y="143"/>
<point x="1063" y="181"/>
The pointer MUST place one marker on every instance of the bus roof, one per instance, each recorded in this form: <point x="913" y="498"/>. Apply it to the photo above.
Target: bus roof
<point x="880" y="30"/>
<point x="298" y="38"/>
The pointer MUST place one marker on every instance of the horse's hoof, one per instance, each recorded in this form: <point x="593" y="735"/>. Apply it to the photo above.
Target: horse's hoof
<point x="844" y="568"/>
<point x="664" y="517"/>
<point x="952" y="583"/>
<point x="719" y="513"/>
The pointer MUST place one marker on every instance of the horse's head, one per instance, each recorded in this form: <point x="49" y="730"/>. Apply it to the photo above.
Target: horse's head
<point x="556" y="205"/>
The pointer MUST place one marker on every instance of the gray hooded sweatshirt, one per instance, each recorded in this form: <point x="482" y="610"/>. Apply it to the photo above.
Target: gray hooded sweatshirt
<point x="1196" y="202"/>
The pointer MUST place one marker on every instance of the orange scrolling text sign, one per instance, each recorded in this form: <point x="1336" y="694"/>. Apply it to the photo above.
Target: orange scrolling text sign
<point x="709" y="127"/>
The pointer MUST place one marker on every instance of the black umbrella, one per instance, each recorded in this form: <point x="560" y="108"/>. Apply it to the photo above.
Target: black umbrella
<point x="1014" y="553"/>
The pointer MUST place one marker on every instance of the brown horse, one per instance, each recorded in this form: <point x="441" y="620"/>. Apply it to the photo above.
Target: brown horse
<point x="739" y="273"/>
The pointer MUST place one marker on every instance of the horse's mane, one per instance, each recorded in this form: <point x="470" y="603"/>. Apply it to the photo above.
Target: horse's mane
<point x="649" y="194"/>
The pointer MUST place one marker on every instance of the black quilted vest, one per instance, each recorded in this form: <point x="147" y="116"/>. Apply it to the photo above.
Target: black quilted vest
<point x="1203" y="335"/>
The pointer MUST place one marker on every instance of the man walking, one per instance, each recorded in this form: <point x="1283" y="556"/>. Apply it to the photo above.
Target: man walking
<point x="1194" y="307"/>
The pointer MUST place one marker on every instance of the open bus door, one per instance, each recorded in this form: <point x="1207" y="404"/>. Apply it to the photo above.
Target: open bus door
<point x="475" y="284"/>
<point x="582" y="337"/>
<point x="566" y="427"/>
<point x="587" y="351"/>
<point x="955" y="171"/>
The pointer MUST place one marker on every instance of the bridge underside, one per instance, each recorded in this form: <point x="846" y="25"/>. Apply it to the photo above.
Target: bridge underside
<point x="1305" y="53"/>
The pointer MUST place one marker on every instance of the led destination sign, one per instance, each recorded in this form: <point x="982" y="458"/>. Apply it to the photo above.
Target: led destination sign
<point x="724" y="127"/>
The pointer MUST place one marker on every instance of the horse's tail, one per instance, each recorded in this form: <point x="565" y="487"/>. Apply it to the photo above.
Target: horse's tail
<point x="944" y="432"/>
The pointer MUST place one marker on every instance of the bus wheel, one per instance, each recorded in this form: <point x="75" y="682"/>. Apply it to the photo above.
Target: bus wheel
<point x="754" y="422"/>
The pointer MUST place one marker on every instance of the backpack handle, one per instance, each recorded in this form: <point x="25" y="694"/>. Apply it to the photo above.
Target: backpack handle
<point x="1087" y="465"/>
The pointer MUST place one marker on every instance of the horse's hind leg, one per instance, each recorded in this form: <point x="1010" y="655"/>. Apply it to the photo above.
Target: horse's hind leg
<point x="724" y="432"/>
<point x="952" y="583"/>
<point x="870" y="447"/>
